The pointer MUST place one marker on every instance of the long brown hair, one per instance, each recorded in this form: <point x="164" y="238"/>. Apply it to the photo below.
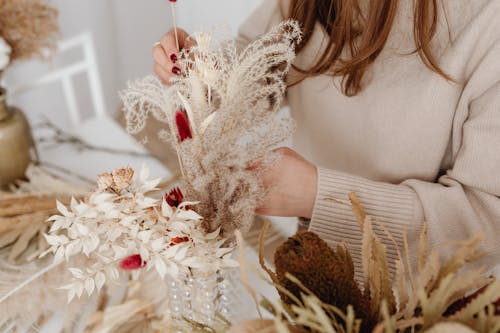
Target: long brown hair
<point x="363" y="35"/>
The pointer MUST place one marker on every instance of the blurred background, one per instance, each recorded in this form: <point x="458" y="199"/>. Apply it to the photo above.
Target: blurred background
<point x="103" y="44"/>
<point x="123" y="33"/>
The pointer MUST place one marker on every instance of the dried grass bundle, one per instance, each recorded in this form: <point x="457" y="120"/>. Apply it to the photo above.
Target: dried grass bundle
<point x="24" y="212"/>
<point x="221" y="118"/>
<point x="29" y="26"/>
<point x="28" y="293"/>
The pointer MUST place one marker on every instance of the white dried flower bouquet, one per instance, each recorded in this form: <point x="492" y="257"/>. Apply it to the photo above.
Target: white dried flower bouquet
<point x="120" y="226"/>
<point x="221" y="117"/>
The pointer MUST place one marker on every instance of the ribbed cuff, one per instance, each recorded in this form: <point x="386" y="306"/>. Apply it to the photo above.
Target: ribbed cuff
<point x="394" y="207"/>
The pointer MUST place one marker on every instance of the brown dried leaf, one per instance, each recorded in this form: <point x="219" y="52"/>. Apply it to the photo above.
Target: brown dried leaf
<point x="379" y="284"/>
<point x="357" y="209"/>
<point x="9" y="237"/>
<point x="468" y="281"/>
<point x="26" y="204"/>
<point x="422" y="248"/>
<point x="401" y="284"/>
<point x="366" y="254"/>
<point x="466" y="251"/>
<point x="345" y="257"/>
<point x="477" y="305"/>
<point x="430" y="272"/>
<point x="27" y="235"/>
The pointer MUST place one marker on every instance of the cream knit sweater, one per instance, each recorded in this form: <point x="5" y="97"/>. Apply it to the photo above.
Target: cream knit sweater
<point x="413" y="146"/>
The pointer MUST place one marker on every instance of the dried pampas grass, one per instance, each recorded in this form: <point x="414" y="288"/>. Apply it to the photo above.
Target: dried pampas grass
<point x="222" y="119"/>
<point x="29" y="26"/>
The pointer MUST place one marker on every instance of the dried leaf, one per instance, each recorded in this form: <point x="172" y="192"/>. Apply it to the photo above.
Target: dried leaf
<point x="422" y="248"/>
<point x="379" y="284"/>
<point x="25" y="238"/>
<point x="357" y="209"/>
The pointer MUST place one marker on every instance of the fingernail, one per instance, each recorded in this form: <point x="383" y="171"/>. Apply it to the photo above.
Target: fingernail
<point x="176" y="70"/>
<point x="173" y="57"/>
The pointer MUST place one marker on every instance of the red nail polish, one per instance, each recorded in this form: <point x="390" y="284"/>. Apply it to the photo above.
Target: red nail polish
<point x="176" y="70"/>
<point x="173" y="57"/>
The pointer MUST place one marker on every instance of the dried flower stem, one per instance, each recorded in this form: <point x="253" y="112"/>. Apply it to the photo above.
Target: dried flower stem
<point x="172" y="11"/>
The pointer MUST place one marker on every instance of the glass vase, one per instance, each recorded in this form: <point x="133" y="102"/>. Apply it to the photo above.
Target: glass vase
<point x="205" y="298"/>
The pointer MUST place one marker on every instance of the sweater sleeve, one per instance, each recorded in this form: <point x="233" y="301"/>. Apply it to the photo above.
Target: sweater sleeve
<point x="463" y="202"/>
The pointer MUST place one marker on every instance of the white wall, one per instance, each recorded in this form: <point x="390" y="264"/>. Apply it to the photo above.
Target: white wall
<point x="196" y="15"/>
<point x="124" y="32"/>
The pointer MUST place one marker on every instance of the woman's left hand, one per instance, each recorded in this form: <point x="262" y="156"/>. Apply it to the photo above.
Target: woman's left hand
<point x="291" y="182"/>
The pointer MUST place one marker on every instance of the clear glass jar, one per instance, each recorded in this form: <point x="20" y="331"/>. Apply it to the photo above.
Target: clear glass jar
<point x="205" y="298"/>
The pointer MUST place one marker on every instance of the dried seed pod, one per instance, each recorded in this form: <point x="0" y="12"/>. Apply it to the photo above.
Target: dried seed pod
<point x="327" y="273"/>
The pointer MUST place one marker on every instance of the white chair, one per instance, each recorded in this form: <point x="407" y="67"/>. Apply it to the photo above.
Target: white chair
<point x="65" y="75"/>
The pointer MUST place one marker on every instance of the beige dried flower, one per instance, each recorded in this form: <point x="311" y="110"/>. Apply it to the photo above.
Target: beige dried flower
<point x="122" y="178"/>
<point x="104" y="181"/>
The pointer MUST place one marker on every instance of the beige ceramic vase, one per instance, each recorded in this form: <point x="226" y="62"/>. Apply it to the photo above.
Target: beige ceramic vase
<point x="16" y="143"/>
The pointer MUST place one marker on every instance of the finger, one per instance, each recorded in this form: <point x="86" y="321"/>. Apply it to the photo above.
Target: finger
<point x="164" y="75"/>
<point x="189" y="42"/>
<point x="169" y="43"/>
<point x="161" y="58"/>
<point x="162" y="61"/>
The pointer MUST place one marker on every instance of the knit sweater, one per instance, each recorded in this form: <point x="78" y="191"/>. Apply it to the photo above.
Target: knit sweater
<point x="413" y="146"/>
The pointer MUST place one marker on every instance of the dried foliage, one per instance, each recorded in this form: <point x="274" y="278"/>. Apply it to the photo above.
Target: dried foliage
<point x="120" y="225"/>
<point x="327" y="273"/>
<point x="222" y="119"/>
<point x="442" y="295"/>
<point x="28" y="293"/>
<point x="141" y="310"/>
<point x="23" y="213"/>
<point x="29" y="26"/>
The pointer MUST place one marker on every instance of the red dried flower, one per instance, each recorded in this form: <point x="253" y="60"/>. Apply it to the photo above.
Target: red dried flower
<point x="178" y="240"/>
<point x="174" y="198"/>
<point x="173" y="0"/>
<point x="132" y="263"/>
<point x="182" y="122"/>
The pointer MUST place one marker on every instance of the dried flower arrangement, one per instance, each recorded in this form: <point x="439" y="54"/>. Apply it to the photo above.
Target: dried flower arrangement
<point x="319" y="293"/>
<point x="120" y="226"/>
<point x="221" y="118"/>
<point x="28" y="28"/>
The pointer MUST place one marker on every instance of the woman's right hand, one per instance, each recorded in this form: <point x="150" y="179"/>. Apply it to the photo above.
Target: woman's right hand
<point x="165" y="54"/>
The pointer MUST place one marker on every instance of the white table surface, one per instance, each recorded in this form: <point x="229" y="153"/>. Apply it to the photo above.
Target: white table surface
<point x="101" y="132"/>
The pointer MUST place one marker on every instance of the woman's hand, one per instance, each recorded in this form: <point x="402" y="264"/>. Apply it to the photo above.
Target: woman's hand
<point x="291" y="182"/>
<point x="165" y="54"/>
